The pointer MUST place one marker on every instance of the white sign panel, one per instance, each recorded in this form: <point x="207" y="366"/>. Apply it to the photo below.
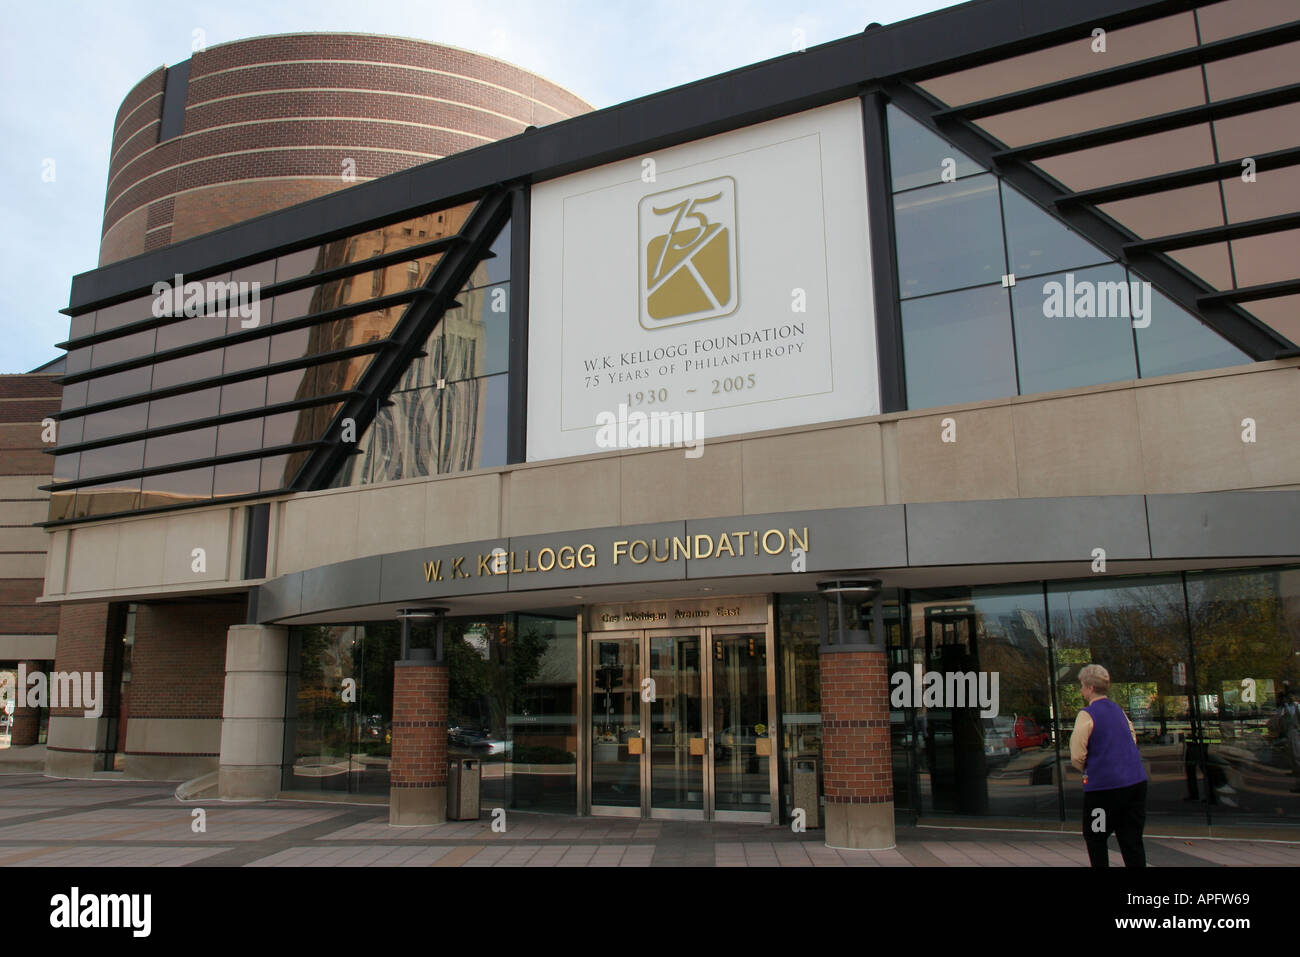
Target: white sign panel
<point x="726" y="282"/>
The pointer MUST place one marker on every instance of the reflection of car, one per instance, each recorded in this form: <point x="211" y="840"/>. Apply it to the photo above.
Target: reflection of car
<point x="999" y="738"/>
<point x="478" y="741"/>
<point x="372" y="726"/>
<point x="1028" y="734"/>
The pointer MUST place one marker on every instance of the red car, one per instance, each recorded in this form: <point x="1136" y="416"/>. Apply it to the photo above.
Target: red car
<point x="1030" y="735"/>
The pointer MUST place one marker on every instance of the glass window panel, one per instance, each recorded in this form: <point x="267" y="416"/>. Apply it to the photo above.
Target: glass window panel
<point x="1057" y="350"/>
<point x="1169" y="212"/>
<point x="238" y="396"/>
<point x="1137" y="630"/>
<point x="317" y="380"/>
<point x="1246" y="637"/>
<point x="95" y="500"/>
<point x="1260" y="132"/>
<point x="1150" y="96"/>
<point x="273" y="473"/>
<point x="1269" y="258"/>
<point x="291" y="305"/>
<point x="949" y="236"/>
<point x="65" y="467"/>
<point x="119" y="350"/>
<point x="404" y="436"/>
<point x="133" y="310"/>
<point x="260" y="311"/>
<point x="176" y="488"/>
<point x="1132" y="159"/>
<point x="78" y="360"/>
<point x="958" y="348"/>
<point x="237" y="478"/>
<point x="1075" y="58"/>
<point x="297" y="264"/>
<point x="61" y="505"/>
<point x="127" y="419"/>
<point x="187" y="407"/>
<point x="69" y="431"/>
<point x="1178" y="342"/>
<point x="1037" y="243"/>
<point x="497" y="267"/>
<point x="204" y="365"/>
<point x="917" y="156"/>
<point x="476" y="337"/>
<point x="246" y="355"/>
<point x="291" y="345"/>
<point x="112" y="459"/>
<point x="1234" y="17"/>
<point x="243" y="436"/>
<point x="1207" y="262"/>
<point x="1282" y="313"/>
<point x="474" y="424"/>
<point x="119" y="385"/>
<point x="1273" y="193"/>
<point x="180" y="447"/>
<point x="969" y="763"/>
<point x="1255" y="71"/>
<point x="289" y="427"/>
<point x="74" y="395"/>
<point x="82" y="325"/>
<point x="185" y="332"/>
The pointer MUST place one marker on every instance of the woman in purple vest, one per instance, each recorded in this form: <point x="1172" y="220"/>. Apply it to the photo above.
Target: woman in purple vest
<point x="1104" y="747"/>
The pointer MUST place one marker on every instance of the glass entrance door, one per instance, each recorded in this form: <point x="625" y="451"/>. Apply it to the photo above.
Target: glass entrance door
<point x="681" y="724"/>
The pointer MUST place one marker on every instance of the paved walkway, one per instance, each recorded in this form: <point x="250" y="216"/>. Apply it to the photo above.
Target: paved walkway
<point x="51" y="823"/>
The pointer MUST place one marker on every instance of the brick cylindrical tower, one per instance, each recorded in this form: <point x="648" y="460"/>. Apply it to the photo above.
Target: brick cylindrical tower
<point x="255" y="125"/>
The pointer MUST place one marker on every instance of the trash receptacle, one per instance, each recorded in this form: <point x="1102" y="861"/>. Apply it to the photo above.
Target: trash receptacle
<point x="462" y="790"/>
<point x="804" y="790"/>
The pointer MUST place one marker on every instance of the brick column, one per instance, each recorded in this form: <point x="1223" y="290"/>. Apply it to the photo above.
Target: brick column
<point x="857" y="770"/>
<point x="418" y="771"/>
<point x="27" y="725"/>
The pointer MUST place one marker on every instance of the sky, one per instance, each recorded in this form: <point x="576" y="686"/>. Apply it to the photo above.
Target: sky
<point x="66" y="66"/>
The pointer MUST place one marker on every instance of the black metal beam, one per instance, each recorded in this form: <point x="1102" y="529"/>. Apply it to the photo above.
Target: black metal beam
<point x="1126" y="73"/>
<point x="1267" y="290"/>
<point x="1178" y="119"/>
<point x="517" y="401"/>
<point x="408" y="336"/>
<point x="264" y="453"/>
<point x="884" y="260"/>
<point x="260" y="412"/>
<point x="1210" y="173"/>
<point x="1212" y="234"/>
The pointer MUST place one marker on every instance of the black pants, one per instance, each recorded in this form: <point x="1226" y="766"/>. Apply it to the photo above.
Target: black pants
<point x="1124" y="812"/>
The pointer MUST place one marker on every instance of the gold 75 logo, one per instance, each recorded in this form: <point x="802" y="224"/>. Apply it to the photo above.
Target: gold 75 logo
<point x="689" y="270"/>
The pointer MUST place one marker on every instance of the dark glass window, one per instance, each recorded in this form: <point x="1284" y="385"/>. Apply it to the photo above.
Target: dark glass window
<point x="495" y="268"/>
<point x="82" y="325"/>
<point x="476" y="337"/>
<point x="1254" y="71"/>
<point x="237" y="478"/>
<point x="78" y="360"/>
<point x="119" y="350"/>
<point x="122" y="421"/>
<point x="949" y="236"/>
<point x="1175" y="341"/>
<point x="133" y="310"/>
<point x="957" y="347"/>
<point x="404" y="436"/>
<point x="119" y="385"/>
<point x="1260" y="132"/>
<point x="95" y="500"/>
<point x="112" y="459"/>
<point x="1168" y="212"/>
<point x="474" y="424"/>
<point x="1037" y="243"/>
<point x="205" y="365"/>
<point x="176" y="488"/>
<point x="248" y="394"/>
<point x="1282" y="313"/>
<point x="184" y="408"/>
<point x="1219" y="21"/>
<point x="1209" y="263"/>
<point x="275" y="473"/>
<point x="1273" y="192"/>
<point x="246" y="355"/>
<point x="242" y="436"/>
<point x="919" y="158"/>
<point x="1131" y="159"/>
<point x="1268" y="258"/>
<point x="1074" y="329"/>
<point x="180" y="447"/>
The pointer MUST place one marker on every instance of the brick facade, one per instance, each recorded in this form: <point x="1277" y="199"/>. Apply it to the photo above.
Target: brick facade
<point x="288" y="111"/>
<point x="178" y="664"/>
<point x="857" y="764"/>
<point x="418" y="767"/>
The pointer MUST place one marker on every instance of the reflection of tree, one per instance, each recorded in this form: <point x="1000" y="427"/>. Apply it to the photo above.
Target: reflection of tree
<point x="1240" y="631"/>
<point x="486" y="689"/>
